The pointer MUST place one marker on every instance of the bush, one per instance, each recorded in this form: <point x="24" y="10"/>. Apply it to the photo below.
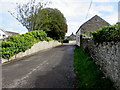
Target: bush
<point x="38" y="35"/>
<point x="84" y="36"/>
<point x="65" y="41"/>
<point x="107" y="34"/>
<point x="21" y="43"/>
<point x="7" y="44"/>
<point x="49" y="39"/>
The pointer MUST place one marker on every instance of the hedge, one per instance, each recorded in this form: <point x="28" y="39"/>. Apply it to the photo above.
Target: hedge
<point x="65" y="41"/>
<point x="20" y="43"/>
<point x="107" y="34"/>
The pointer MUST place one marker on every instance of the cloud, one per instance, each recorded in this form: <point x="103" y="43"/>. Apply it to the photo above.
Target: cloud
<point x="107" y="11"/>
<point x="74" y="10"/>
<point x="14" y="1"/>
<point x="18" y="27"/>
<point x="112" y="19"/>
<point x="105" y="0"/>
<point x="105" y="8"/>
<point x="14" y="26"/>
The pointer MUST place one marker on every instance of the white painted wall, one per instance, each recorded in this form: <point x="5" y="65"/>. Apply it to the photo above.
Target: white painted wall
<point x="78" y="38"/>
<point x="3" y="35"/>
<point x="35" y="48"/>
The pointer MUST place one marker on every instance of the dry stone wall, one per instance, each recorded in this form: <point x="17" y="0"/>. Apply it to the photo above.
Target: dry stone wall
<point x="106" y="56"/>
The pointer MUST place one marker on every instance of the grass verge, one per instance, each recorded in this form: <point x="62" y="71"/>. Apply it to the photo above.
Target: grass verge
<point x="87" y="72"/>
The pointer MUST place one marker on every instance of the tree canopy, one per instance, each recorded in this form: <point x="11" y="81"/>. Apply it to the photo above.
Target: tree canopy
<point x="34" y="16"/>
<point x="53" y="22"/>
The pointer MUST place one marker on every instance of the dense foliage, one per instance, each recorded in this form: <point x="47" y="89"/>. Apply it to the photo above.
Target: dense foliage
<point x="88" y="74"/>
<point x="52" y="21"/>
<point x="21" y="43"/>
<point x="107" y="34"/>
<point x="84" y="36"/>
<point x="65" y="40"/>
<point x="34" y="16"/>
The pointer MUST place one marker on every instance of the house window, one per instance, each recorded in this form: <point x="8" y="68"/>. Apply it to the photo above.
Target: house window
<point x="3" y="35"/>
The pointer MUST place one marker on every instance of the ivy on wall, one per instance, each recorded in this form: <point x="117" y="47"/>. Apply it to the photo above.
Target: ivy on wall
<point x="21" y="43"/>
<point x="107" y="34"/>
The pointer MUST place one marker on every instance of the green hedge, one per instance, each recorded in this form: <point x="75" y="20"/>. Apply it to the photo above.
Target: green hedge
<point x="65" y="41"/>
<point x="48" y="39"/>
<point x="107" y="34"/>
<point x="84" y="36"/>
<point x="21" y="43"/>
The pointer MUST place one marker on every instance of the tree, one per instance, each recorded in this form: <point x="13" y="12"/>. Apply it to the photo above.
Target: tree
<point x="35" y="17"/>
<point x="26" y="14"/>
<point x="53" y="22"/>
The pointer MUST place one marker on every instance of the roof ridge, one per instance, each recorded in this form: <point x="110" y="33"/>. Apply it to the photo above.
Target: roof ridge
<point x="5" y="31"/>
<point x="10" y="31"/>
<point x="90" y="20"/>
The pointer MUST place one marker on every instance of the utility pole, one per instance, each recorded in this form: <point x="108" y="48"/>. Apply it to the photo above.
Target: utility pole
<point x="119" y="11"/>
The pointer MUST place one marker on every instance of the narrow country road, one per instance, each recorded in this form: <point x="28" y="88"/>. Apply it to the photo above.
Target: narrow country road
<point x="52" y="68"/>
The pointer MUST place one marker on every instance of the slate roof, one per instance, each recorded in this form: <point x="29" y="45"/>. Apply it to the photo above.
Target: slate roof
<point x="9" y="32"/>
<point x="96" y="16"/>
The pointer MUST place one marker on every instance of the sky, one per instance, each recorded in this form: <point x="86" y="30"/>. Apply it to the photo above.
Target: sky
<point x="75" y="12"/>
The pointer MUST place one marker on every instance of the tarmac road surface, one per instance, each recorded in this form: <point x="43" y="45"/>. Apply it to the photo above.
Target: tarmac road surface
<point x="51" y="68"/>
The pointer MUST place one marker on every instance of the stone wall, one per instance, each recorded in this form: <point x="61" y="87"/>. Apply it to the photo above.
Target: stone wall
<point x="35" y="48"/>
<point x="106" y="56"/>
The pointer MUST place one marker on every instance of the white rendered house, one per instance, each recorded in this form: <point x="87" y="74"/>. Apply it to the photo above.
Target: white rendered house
<point x="4" y="34"/>
<point x="78" y="37"/>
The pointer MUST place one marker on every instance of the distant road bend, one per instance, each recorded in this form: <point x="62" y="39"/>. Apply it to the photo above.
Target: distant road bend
<point x="52" y="68"/>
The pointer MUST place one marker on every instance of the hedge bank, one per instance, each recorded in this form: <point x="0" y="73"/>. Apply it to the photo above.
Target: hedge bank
<point x="20" y="43"/>
<point x="107" y="34"/>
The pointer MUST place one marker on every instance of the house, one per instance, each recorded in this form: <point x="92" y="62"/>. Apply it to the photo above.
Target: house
<point x="91" y="25"/>
<point x="4" y="34"/>
<point x="72" y="37"/>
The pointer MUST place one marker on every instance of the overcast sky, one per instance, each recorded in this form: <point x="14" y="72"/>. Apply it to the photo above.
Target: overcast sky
<point x="74" y="11"/>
